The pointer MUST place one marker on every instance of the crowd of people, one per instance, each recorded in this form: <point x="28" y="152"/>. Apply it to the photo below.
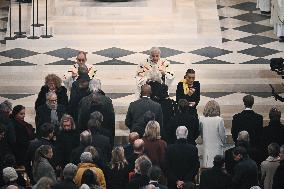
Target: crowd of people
<point x="72" y="143"/>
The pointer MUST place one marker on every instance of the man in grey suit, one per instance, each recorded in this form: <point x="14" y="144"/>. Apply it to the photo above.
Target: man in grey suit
<point x="137" y="109"/>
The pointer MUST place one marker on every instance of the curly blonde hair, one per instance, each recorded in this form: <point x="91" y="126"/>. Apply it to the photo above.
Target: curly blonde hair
<point x="211" y="109"/>
<point x="52" y="77"/>
<point x="118" y="159"/>
<point x="152" y="131"/>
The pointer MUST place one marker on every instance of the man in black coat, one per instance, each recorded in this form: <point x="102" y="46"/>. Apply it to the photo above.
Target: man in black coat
<point x="154" y="174"/>
<point x="278" y="179"/>
<point x="50" y="112"/>
<point x="215" y="177"/>
<point x="181" y="160"/>
<point x="69" y="173"/>
<point x="248" y="121"/>
<point x="245" y="172"/>
<point x="137" y="109"/>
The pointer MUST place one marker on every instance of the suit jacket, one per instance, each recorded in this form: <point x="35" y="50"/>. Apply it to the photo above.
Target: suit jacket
<point x="181" y="162"/>
<point x="195" y="97"/>
<point x="43" y="114"/>
<point x="215" y="178"/>
<point x="136" y="110"/>
<point x="65" y="184"/>
<point x="138" y="181"/>
<point x="158" y="185"/>
<point x="278" y="181"/>
<point x="102" y="144"/>
<point x="248" y="121"/>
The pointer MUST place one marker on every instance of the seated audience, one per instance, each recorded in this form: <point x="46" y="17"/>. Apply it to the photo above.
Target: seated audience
<point x="248" y="121"/>
<point x="212" y="132"/>
<point x="19" y="134"/>
<point x="278" y="181"/>
<point x="245" y="172"/>
<point x="89" y="178"/>
<point x="183" y="117"/>
<point x="140" y="129"/>
<point x="215" y="177"/>
<point x="137" y="109"/>
<point x="181" y="160"/>
<point x="138" y="150"/>
<point x="50" y="112"/>
<point x="44" y="183"/>
<point x="140" y="178"/>
<point x="85" y="140"/>
<point x="154" y="146"/>
<point x="87" y="163"/>
<point x="41" y="166"/>
<point x="69" y="173"/>
<point x="269" y="166"/>
<point x="154" y="175"/>
<point x="128" y="148"/>
<point x="10" y="177"/>
<point x="189" y="89"/>
<point x="52" y="84"/>
<point x="118" y="169"/>
<point x="274" y="132"/>
<point x="67" y="139"/>
<point x="5" y="111"/>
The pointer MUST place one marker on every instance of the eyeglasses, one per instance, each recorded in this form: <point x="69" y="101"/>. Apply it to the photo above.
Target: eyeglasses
<point x="53" y="100"/>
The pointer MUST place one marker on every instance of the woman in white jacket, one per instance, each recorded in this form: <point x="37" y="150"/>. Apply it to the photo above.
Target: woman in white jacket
<point x="212" y="132"/>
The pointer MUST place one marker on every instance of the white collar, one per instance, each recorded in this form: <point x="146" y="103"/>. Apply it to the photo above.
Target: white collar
<point x="248" y="109"/>
<point x="151" y="181"/>
<point x="145" y="97"/>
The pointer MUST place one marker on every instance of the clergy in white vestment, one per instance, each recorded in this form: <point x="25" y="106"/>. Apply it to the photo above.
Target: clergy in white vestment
<point x="277" y="18"/>
<point x="212" y="132"/>
<point x="264" y="6"/>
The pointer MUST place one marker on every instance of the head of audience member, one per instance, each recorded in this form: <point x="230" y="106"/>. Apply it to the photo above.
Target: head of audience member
<point x="255" y="187"/>
<point x="9" y="175"/>
<point x="19" y="112"/>
<point x="118" y="160"/>
<point x="155" y="54"/>
<point x="84" y="186"/>
<point x="155" y="173"/>
<point x="6" y="107"/>
<point x="83" y="81"/>
<point x="152" y="131"/>
<point x="94" y="152"/>
<point x="53" y="82"/>
<point x="44" y="183"/>
<point x="155" y="75"/>
<point x="2" y="131"/>
<point x="243" y="136"/>
<point x="9" y="160"/>
<point x="138" y="146"/>
<point x="12" y="187"/>
<point x="69" y="171"/>
<point x="85" y="138"/>
<point x="190" y="76"/>
<point x="86" y="157"/>
<point x="82" y="69"/>
<point x="181" y="132"/>
<point x="96" y="115"/>
<point x="46" y="131"/>
<point x="281" y="154"/>
<point x="67" y="123"/>
<point x="89" y="178"/>
<point x="274" y="115"/>
<point x="81" y="58"/>
<point x="219" y="161"/>
<point x="94" y="125"/>
<point x="149" y="186"/>
<point x="132" y="137"/>
<point x="183" y="105"/>
<point x="142" y="165"/>
<point x="248" y="101"/>
<point x="44" y="151"/>
<point x="146" y="90"/>
<point x="211" y="109"/>
<point x="239" y="153"/>
<point x="148" y="116"/>
<point x="273" y="150"/>
<point x="51" y="100"/>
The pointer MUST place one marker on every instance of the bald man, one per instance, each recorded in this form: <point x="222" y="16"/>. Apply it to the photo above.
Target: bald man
<point x="138" y="150"/>
<point x="128" y="148"/>
<point x="137" y="109"/>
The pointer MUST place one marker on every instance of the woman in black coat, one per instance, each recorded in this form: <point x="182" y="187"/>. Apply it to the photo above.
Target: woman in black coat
<point x="52" y="84"/>
<point x="19" y="134"/>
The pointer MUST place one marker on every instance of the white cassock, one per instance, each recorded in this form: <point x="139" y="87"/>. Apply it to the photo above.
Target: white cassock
<point x="145" y="68"/>
<point x="263" y="5"/>
<point x="277" y="17"/>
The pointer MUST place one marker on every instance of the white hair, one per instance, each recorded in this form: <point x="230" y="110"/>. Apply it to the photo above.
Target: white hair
<point x="155" y="75"/>
<point x="84" y="186"/>
<point x="50" y="94"/>
<point x="181" y="132"/>
<point x="155" y="50"/>
<point x="243" y="136"/>
<point x="86" y="157"/>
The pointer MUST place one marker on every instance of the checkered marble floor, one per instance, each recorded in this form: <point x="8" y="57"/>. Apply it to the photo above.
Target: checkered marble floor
<point x="228" y="70"/>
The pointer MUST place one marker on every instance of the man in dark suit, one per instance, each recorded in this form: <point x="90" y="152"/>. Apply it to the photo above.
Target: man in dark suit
<point x="278" y="181"/>
<point x="248" y="121"/>
<point x="181" y="160"/>
<point x="215" y="177"/>
<point x="137" y="109"/>
<point x="154" y="175"/>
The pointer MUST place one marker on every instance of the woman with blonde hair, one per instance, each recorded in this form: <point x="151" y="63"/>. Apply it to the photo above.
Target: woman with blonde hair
<point x="212" y="132"/>
<point x="119" y="169"/>
<point x="52" y="84"/>
<point x="154" y="146"/>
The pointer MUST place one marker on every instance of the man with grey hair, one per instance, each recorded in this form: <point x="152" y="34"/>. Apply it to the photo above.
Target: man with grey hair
<point x="181" y="160"/>
<point x="10" y="177"/>
<point x="278" y="181"/>
<point x="69" y="173"/>
<point x="50" y="112"/>
<point x="5" y="111"/>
